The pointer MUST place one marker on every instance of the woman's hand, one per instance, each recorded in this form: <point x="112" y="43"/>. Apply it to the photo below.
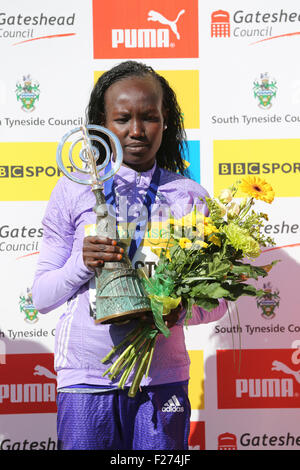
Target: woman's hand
<point x="97" y="250"/>
<point x="170" y="320"/>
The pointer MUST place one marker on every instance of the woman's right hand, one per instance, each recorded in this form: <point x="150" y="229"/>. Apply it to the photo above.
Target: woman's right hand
<point x="97" y="250"/>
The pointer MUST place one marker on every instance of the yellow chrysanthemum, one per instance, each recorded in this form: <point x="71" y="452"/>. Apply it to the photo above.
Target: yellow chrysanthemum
<point x="206" y="227"/>
<point x="215" y="240"/>
<point x="189" y="220"/>
<point x="240" y="239"/>
<point x="157" y="251"/>
<point x="258" y="188"/>
<point x="185" y="243"/>
<point x="209" y="229"/>
<point x="201" y="243"/>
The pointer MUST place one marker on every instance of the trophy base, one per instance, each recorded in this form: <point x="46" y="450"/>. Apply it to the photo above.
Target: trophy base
<point x="120" y="296"/>
<point x="122" y="317"/>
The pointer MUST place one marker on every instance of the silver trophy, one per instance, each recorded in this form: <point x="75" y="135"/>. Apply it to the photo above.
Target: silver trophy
<point x="120" y="294"/>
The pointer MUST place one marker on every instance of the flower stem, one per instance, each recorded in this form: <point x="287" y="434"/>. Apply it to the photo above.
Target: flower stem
<point x="152" y="346"/>
<point x="137" y="342"/>
<point x="124" y="353"/>
<point x="134" y="356"/>
<point x="127" y="372"/>
<point x="130" y="335"/>
<point x="131" y="352"/>
<point x="140" y="372"/>
<point x="246" y="208"/>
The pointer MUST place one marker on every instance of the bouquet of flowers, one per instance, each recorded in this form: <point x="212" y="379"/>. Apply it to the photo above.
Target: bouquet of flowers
<point x="206" y="259"/>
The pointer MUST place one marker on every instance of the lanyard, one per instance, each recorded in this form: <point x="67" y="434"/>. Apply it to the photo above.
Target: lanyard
<point x="140" y="228"/>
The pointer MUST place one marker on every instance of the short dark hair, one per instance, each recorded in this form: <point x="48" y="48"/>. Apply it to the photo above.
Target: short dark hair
<point x="170" y="153"/>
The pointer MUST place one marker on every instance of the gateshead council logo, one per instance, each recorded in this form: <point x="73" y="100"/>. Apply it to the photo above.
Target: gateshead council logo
<point x="220" y="24"/>
<point x="20" y="28"/>
<point x="255" y="26"/>
<point x="227" y="441"/>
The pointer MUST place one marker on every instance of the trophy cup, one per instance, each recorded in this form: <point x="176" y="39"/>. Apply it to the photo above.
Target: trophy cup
<point x="120" y="294"/>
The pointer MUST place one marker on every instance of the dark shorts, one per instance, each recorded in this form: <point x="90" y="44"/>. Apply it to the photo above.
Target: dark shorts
<point x="157" y="418"/>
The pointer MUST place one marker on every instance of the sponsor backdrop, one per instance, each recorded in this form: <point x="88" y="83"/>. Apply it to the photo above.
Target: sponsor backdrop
<point x="233" y="70"/>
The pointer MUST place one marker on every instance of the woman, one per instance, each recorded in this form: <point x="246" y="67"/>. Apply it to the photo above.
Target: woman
<point x="139" y="106"/>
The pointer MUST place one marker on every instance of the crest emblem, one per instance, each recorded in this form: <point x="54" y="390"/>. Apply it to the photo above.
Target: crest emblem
<point x="28" y="92"/>
<point x="265" y="91"/>
<point x="27" y="307"/>
<point x="268" y="302"/>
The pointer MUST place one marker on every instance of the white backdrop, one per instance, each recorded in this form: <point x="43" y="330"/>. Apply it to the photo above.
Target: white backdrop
<point x="245" y="386"/>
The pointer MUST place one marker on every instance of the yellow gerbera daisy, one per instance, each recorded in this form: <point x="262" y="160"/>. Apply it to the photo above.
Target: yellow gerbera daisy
<point x="258" y="188"/>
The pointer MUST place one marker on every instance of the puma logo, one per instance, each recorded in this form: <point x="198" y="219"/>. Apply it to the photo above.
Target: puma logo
<point x="40" y="370"/>
<point x="155" y="16"/>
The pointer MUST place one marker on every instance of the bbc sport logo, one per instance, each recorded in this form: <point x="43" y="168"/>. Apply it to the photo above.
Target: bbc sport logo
<point x="276" y="160"/>
<point x="21" y="171"/>
<point x="256" y="168"/>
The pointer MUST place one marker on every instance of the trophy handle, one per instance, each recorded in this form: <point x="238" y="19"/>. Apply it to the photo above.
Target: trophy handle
<point x="89" y="155"/>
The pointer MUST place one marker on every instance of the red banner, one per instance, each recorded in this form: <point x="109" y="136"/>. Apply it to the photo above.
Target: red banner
<point x="258" y="378"/>
<point x="27" y="384"/>
<point x="147" y="29"/>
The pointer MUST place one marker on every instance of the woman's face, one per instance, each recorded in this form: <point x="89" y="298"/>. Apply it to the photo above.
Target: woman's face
<point x="134" y="113"/>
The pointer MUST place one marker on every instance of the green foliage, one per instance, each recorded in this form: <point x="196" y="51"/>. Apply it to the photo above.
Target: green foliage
<point x="205" y="269"/>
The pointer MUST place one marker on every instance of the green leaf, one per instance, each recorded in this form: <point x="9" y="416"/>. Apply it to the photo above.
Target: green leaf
<point x="218" y="267"/>
<point x="212" y="290"/>
<point x="157" y="310"/>
<point x="206" y="304"/>
<point x="248" y="270"/>
<point x="239" y="289"/>
<point x="182" y="290"/>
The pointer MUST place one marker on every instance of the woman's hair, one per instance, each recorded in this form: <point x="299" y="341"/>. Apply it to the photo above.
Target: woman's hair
<point x="170" y="153"/>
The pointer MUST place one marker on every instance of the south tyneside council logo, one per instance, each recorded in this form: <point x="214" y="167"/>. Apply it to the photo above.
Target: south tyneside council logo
<point x="265" y="90"/>
<point x="268" y="302"/>
<point x="27" y="307"/>
<point x="27" y="92"/>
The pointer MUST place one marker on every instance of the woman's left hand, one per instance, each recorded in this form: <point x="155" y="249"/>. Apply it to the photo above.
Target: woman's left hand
<point x="170" y="319"/>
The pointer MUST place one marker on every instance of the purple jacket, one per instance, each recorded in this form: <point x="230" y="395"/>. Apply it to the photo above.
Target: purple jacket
<point x="61" y="277"/>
